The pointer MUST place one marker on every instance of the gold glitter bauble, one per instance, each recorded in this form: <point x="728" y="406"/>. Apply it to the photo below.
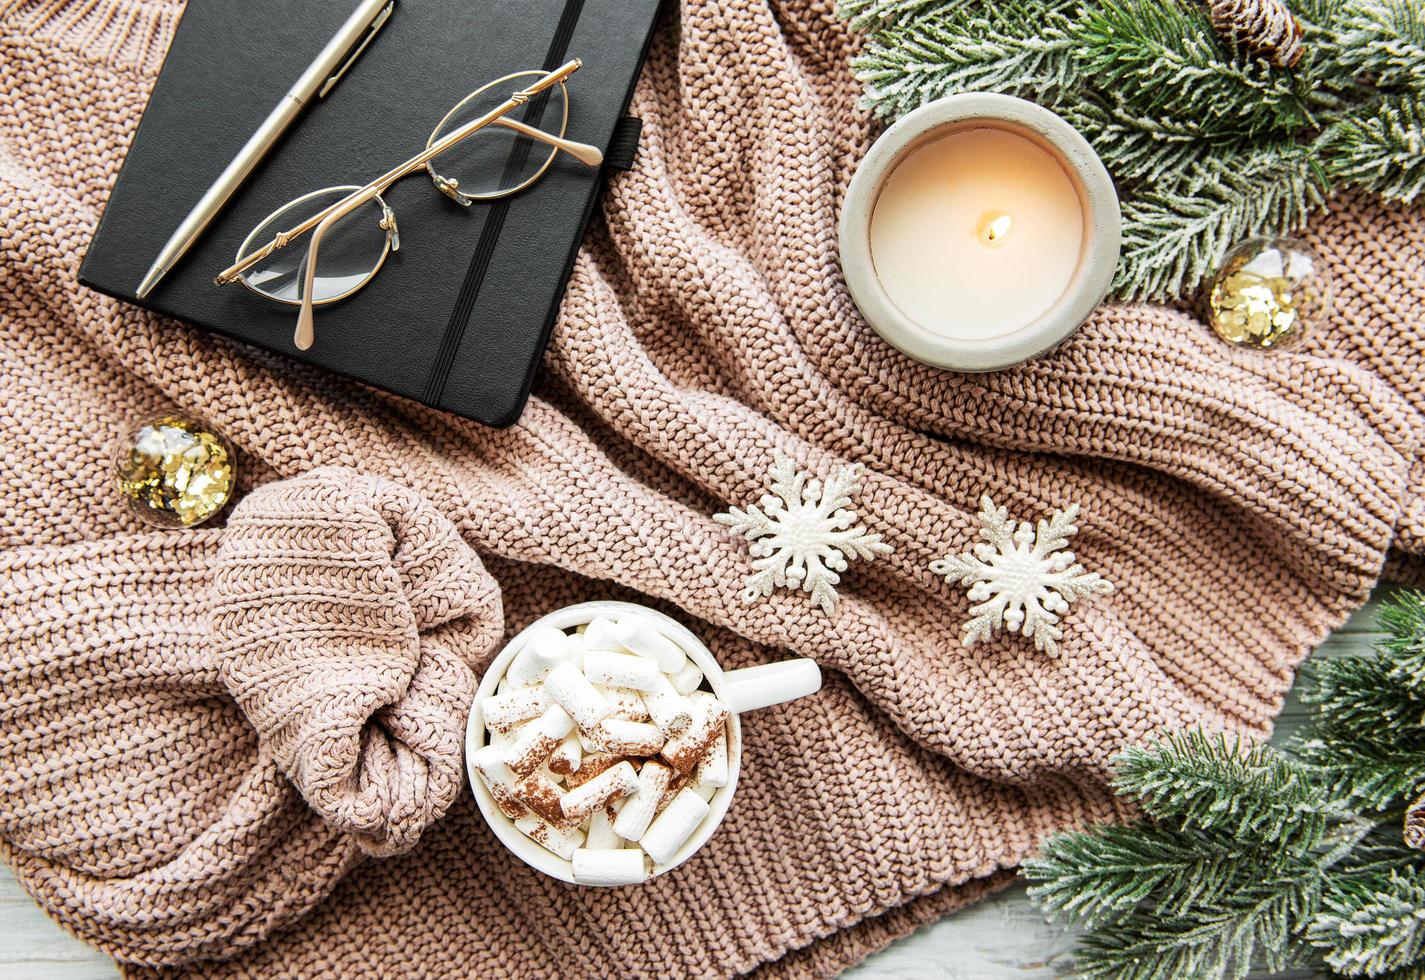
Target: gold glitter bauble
<point x="174" y="471"/>
<point x="1268" y="293"/>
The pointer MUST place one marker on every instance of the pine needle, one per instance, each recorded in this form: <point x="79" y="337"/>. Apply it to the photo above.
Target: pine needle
<point x="1099" y="875"/>
<point x="1256" y="856"/>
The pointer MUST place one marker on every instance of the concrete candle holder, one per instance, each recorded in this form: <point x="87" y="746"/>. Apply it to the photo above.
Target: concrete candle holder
<point x="954" y="264"/>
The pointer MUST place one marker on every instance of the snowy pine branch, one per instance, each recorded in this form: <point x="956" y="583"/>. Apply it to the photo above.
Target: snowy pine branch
<point x="1164" y="56"/>
<point x="1242" y="790"/>
<point x="1371" y="924"/>
<point x="1100" y="875"/>
<point x="1382" y="39"/>
<point x="1383" y="152"/>
<point x="1025" y="51"/>
<point x="1176" y="232"/>
<point x="1254" y="856"/>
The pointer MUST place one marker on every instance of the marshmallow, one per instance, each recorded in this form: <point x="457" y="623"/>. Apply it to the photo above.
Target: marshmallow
<point x="712" y="770"/>
<point x="562" y="841"/>
<point x="675" y="786"/>
<point x="674" y="826"/>
<point x="638" y="812"/>
<point x="502" y="740"/>
<point x="630" y="737"/>
<point x="686" y="681"/>
<point x="537" y="739"/>
<point x="640" y="636"/>
<point x="593" y="764"/>
<point x="592" y="867"/>
<point x="601" y="836"/>
<point x="499" y="780"/>
<point x="591" y="742"/>
<point x="625" y="703"/>
<point x="544" y="648"/>
<point x="572" y="691"/>
<point x="575" y="653"/>
<point x="584" y="799"/>
<point x="688" y="748"/>
<point x="669" y="710"/>
<point x="504" y="711"/>
<point x="565" y="760"/>
<point x="537" y="792"/>
<point x="620" y="670"/>
<point x="602" y="634"/>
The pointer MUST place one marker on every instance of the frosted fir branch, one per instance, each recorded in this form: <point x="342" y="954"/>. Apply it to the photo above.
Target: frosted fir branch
<point x="1242" y="790"/>
<point x="1365" y="699"/>
<point x="1371" y="924"/>
<point x="1404" y="647"/>
<point x="1153" y="148"/>
<point x="1382" y="39"/>
<point x="1166" y="58"/>
<point x="1026" y="51"/>
<point x="867" y="15"/>
<point x="1100" y="875"/>
<point x="1254" y="923"/>
<point x="1177" y="232"/>
<point x="1372" y="776"/>
<point x="1383" y="152"/>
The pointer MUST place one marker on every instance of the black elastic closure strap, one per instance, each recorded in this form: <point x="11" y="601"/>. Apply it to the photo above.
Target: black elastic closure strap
<point x="623" y="148"/>
<point x="495" y="222"/>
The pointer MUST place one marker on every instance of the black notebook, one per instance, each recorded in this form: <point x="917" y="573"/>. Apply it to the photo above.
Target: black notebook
<point x="458" y="317"/>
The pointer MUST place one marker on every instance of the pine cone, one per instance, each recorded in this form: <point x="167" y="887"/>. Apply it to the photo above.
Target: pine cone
<point x="1264" y="27"/>
<point x="1415" y="825"/>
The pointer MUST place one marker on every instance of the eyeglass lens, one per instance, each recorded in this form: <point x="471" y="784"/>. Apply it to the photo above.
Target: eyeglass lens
<point x="351" y="251"/>
<point x="496" y="160"/>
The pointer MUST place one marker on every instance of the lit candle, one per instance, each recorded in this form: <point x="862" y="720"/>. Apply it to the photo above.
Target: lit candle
<point x="977" y="233"/>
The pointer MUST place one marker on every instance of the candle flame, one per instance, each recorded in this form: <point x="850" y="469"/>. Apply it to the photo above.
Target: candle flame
<point x="995" y="228"/>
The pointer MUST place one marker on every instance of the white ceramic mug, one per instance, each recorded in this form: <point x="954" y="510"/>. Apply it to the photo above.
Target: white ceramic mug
<point x="740" y="690"/>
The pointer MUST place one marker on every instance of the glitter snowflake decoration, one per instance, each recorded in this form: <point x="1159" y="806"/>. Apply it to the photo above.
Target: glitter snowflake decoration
<point x="1020" y="577"/>
<point x="802" y="534"/>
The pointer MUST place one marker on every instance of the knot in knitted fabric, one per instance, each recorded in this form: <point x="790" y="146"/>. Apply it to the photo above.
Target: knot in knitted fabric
<point x="349" y="618"/>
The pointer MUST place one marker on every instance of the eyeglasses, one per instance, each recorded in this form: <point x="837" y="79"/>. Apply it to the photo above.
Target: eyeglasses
<point x="478" y="152"/>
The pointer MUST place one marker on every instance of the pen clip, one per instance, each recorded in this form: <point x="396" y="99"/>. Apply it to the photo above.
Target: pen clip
<point x="376" y="25"/>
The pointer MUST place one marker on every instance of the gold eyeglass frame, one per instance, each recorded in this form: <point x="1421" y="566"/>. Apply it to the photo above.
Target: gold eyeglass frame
<point x="321" y="222"/>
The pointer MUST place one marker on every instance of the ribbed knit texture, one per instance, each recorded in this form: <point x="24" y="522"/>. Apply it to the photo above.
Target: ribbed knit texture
<point x="209" y="737"/>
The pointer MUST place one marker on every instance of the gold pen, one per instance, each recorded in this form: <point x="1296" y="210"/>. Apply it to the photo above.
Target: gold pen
<point x="319" y="78"/>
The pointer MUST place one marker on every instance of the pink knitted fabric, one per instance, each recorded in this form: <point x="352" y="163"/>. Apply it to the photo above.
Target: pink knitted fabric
<point x="234" y="751"/>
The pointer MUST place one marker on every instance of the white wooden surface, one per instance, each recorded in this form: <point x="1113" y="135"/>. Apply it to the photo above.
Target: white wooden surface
<point x="1001" y="937"/>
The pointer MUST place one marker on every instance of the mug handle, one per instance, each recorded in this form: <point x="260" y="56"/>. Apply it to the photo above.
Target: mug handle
<point x="767" y="684"/>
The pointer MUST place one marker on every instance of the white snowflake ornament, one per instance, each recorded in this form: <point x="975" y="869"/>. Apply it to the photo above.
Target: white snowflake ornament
<point x="1020" y="577"/>
<point x="802" y="534"/>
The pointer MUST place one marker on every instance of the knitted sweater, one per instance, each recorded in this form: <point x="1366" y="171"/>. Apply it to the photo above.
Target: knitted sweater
<point x="236" y="750"/>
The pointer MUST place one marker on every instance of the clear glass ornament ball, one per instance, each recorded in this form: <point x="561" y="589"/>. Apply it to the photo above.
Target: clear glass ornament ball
<point x="174" y="470"/>
<point x="1269" y="294"/>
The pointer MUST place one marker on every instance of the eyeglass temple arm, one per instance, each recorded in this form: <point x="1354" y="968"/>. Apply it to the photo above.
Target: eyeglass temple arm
<point x="585" y="153"/>
<point x="305" y="332"/>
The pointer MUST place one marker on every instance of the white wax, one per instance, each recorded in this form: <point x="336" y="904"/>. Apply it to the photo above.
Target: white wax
<point x="977" y="233"/>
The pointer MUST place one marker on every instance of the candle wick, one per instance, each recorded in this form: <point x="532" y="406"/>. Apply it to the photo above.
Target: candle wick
<point x="995" y="228"/>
